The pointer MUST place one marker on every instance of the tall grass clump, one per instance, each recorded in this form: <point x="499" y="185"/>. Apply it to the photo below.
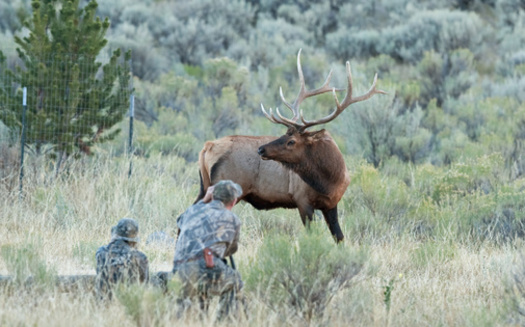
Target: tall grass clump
<point x="299" y="278"/>
<point x="515" y="288"/>
<point x="145" y="306"/>
<point x="25" y="264"/>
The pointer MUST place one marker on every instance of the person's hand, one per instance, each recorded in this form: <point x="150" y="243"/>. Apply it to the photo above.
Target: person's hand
<point x="208" y="197"/>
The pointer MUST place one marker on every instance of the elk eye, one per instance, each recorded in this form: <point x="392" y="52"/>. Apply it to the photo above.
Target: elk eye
<point x="292" y="142"/>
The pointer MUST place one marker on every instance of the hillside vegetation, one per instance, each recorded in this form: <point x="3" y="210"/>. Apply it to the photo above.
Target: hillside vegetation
<point x="454" y="71"/>
<point x="434" y="215"/>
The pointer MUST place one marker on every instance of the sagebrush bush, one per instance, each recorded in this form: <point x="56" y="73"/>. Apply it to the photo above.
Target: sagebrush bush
<point x="147" y="62"/>
<point x="438" y="30"/>
<point x="305" y="273"/>
<point x="386" y="197"/>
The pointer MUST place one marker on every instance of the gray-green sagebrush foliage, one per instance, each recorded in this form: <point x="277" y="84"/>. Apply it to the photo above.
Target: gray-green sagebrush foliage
<point x="454" y="71"/>
<point x="305" y="273"/>
<point x="73" y="99"/>
<point x="470" y="202"/>
<point x="438" y="30"/>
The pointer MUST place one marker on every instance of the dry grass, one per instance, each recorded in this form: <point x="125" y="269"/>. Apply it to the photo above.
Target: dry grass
<point x="433" y="284"/>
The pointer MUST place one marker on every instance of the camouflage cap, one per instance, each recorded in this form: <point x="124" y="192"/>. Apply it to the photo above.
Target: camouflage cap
<point x="226" y="191"/>
<point x="127" y="229"/>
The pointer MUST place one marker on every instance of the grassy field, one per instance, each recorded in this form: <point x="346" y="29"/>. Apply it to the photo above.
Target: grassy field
<point x="415" y="263"/>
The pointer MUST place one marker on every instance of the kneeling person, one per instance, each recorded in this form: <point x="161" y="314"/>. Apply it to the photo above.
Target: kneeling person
<point x="208" y="233"/>
<point x="120" y="261"/>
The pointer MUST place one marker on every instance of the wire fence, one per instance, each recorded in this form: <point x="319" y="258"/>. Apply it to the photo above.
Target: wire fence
<point x="59" y="106"/>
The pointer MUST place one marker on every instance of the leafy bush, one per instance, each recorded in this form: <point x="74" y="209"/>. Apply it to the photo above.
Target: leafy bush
<point x="483" y="175"/>
<point x="305" y="274"/>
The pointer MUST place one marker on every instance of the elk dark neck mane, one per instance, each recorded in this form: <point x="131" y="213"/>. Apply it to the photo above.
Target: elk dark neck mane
<point x="323" y="169"/>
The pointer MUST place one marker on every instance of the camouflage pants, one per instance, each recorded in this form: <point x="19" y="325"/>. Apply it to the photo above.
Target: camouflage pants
<point x="200" y="283"/>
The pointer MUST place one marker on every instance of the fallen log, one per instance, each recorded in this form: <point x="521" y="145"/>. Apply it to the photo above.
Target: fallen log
<point x="85" y="283"/>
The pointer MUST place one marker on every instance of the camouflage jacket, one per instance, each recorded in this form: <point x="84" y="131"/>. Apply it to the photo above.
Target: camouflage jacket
<point x="119" y="262"/>
<point x="206" y="225"/>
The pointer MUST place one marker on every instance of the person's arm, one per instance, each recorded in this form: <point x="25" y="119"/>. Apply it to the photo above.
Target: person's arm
<point x="209" y="195"/>
<point x="234" y="244"/>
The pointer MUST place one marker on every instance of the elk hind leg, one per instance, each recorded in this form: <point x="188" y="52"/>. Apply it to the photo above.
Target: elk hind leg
<point x="307" y="214"/>
<point x="330" y="216"/>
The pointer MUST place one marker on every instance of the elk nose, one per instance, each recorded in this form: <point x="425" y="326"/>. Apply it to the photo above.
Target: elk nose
<point x="261" y="150"/>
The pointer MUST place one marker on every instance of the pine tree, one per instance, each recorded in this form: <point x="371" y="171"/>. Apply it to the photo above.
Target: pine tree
<point x="73" y="100"/>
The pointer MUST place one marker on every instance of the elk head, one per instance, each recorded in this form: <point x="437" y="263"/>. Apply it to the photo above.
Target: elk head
<point x="295" y="146"/>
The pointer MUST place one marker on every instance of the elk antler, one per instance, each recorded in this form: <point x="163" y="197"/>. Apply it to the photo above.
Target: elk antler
<point x="303" y="94"/>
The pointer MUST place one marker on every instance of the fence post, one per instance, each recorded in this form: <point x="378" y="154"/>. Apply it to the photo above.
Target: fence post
<point x="130" y="144"/>
<point x="23" y="140"/>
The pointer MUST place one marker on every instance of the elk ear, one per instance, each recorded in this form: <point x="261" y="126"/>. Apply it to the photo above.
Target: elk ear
<point x="316" y="135"/>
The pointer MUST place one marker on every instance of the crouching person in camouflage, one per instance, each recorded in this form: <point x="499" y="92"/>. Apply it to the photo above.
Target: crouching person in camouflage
<point x="209" y="233"/>
<point x="120" y="261"/>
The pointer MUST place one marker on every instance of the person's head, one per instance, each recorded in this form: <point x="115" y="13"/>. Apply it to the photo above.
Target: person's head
<point x="227" y="192"/>
<point x="127" y="229"/>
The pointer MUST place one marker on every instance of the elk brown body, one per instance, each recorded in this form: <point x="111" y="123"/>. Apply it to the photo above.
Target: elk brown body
<point x="301" y="169"/>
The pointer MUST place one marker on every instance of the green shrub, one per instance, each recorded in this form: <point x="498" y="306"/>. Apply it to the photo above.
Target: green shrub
<point x="483" y="174"/>
<point x="305" y="273"/>
<point x="385" y="197"/>
<point x="497" y="217"/>
<point x="150" y="142"/>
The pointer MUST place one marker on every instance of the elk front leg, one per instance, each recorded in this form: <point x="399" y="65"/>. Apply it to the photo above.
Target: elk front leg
<point x="330" y="216"/>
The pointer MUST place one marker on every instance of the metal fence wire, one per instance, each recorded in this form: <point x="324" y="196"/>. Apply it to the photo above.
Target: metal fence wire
<point x="60" y="105"/>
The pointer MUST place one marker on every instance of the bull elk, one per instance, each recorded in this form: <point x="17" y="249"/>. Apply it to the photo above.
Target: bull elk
<point x="301" y="169"/>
